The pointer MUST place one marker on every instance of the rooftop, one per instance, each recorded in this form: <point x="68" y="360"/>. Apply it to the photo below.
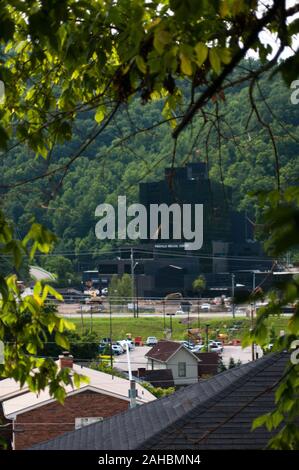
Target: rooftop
<point x="164" y="350"/>
<point x="16" y="400"/>
<point x="213" y="414"/>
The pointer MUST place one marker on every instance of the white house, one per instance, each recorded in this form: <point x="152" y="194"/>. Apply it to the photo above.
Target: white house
<point x="174" y="356"/>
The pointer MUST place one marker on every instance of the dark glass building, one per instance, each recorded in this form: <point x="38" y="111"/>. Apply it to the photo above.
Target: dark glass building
<point x="165" y="266"/>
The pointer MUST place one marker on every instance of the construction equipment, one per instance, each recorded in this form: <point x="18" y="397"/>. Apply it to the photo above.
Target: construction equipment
<point x="138" y="341"/>
<point x="194" y="334"/>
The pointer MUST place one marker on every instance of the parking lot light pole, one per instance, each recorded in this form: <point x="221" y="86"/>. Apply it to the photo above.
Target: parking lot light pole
<point x="233" y="295"/>
<point x="133" y="287"/>
<point x="110" y="333"/>
<point x="207" y="336"/>
<point x="251" y="329"/>
<point x="170" y="315"/>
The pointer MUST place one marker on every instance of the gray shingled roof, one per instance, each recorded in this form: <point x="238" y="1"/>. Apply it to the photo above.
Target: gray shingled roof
<point x="213" y="414"/>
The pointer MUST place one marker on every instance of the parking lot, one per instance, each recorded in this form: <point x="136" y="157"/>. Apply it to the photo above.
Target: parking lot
<point x="138" y="359"/>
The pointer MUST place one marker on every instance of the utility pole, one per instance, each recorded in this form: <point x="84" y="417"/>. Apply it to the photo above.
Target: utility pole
<point x="233" y="295"/>
<point x="252" y="311"/>
<point x="110" y="334"/>
<point x="252" y="344"/>
<point x="132" y="389"/>
<point x="170" y="315"/>
<point x="137" y="303"/>
<point x="207" y="336"/>
<point x="253" y="288"/>
<point x="133" y="280"/>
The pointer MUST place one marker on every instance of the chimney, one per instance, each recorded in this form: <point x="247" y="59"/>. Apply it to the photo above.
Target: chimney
<point x="66" y="360"/>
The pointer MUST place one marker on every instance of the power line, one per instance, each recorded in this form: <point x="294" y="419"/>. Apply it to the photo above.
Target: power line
<point x="153" y="251"/>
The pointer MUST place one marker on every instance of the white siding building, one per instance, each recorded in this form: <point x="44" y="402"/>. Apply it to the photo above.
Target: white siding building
<point x="174" y="356"/>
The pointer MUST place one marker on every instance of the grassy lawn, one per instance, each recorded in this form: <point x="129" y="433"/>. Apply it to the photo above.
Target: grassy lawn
<point x="145" y="327"/>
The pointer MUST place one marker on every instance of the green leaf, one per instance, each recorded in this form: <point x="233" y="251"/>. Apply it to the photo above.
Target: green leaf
<point x="260" y="421"/>
<point x="215" y="60"/>
<point x="68" y="324"/>
<point x="201" y="51"/>
<point x="50" y="290"/>
<point x="100" y="114"/>
<point x="37" y="289"/>
<point x="140" y="63"/>
<point x="225" y="55"/>
<point x="78" y="379"/>
<point x="186" y="65"/>
<point x="61" y="340"/>
<point x="31" y="348"/>
<point x="161" y="39"/>
<point x="3" y="289"/>
<point x="60" y="394"/>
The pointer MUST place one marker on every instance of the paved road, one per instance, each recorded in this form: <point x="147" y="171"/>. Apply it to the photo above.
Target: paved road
<point x="74" y="311"/>
<point x="138" y="359"/>
<point x="244" y="355"/>
<point x="148" y="315"/>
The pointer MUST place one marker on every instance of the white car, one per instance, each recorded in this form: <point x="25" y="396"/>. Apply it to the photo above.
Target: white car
<point x="123" y="343"/>
<point x="214" y="347"/>
<point x="180" y="312"/>
<point x="151" y="341"/>
<point x="117" y="349"/>
<point x="198" y="348"/>
<point x="219" y="344"/>
<point x="188" y="344"/>
<point x="205" y="307"/>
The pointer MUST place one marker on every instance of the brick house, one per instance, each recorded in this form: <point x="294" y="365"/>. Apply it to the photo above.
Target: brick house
<point x="212" y="414"/>
<point x="37" y="418"/>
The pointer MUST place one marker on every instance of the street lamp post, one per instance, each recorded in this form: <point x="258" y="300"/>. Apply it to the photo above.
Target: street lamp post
<point x="170" y="315"/>
<point x="137" y="303"/>
<point x="207" y="336"/>
<point x="133" y="266"/>
<point x="110" y="333"/>
<point x="233" y="295"/>
<point x="133" y="281"/>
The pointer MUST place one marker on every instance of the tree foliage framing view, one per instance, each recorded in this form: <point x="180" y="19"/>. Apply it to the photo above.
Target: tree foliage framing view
<point x="61" y="59"/>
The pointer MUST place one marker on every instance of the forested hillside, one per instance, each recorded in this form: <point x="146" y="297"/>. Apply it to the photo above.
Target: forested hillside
<point x="238" y="147"/>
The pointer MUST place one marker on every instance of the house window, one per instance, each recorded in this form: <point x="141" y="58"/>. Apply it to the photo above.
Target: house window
<point x="182" y="369"/>
<point x="81" y="422"/>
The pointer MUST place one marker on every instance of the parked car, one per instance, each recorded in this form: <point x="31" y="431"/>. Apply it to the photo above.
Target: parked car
<point x="180" y="312"/>
<point x="131" y="344"/>
<point x="151" y="341"/>
<point x="198" y="348"/>
<point x="106" y="340"/>
<point x="188" y="344"/>
<point x="217" y="343"/>
<point x="117" y="349"/>
<point x="213" y="347"/>
<point x="104" y="291"/>
<point x="123" y="343"/>
<point x="205" y="307"/>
